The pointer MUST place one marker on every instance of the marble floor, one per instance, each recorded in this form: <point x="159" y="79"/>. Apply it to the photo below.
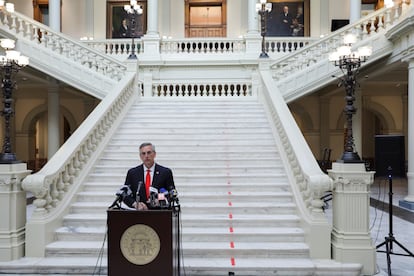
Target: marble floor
<point x="402" y="225"/>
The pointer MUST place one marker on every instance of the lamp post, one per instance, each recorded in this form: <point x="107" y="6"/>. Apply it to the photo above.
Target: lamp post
<point x="349" y="62"/>
<point x="10" y="64"/>
<point x="263" y="9"/>
<point x="133" y="9"/>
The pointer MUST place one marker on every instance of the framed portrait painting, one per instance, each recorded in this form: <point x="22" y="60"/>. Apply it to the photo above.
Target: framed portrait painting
<point x="120" y="24"/>
<point x="288" y="18"/>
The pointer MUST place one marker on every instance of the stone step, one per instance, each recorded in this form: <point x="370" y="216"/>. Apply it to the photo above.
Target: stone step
<point x="228" y="144"/>
<point x="212" y="266"/>
<point x="195" y="130"/>
<point x="251" y="234"/>
<point x="196" y="234"/>
<point x="195" y="220"/>
<point x="243" y="249"/>
<point x="200" y="207"/>
<point x="168" y="148"/>
<point x="207" y="167"/>
<point x="199" y="187"/>
<point x="197" y="178"/>
<point x="190" y="249"/>
<point x="214" y="197"/>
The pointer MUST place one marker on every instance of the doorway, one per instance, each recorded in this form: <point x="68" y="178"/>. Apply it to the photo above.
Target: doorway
<point x="205" y="18"/>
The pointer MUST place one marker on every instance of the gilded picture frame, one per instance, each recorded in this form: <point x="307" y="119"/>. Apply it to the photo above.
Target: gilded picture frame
<point x="288" y="18"/>
<point x="116" y="14"/>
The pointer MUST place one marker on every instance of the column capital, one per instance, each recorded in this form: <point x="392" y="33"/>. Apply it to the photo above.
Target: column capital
<point x="351" y="176"/>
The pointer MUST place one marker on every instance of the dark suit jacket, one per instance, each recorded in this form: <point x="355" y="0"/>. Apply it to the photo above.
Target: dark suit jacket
<point x="163" y="178"/>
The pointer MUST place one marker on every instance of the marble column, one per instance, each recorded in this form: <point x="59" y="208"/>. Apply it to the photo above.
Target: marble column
<point x="151" y="39"/>
<point x="53" y="116"/>
<point x="355" y="11"/>
<point x="408" y="201"/>
<point x="351" y="238"/>
<point x="152" y="20"/>
<point x="252" y="37"/>
<point x="54" y="15"/>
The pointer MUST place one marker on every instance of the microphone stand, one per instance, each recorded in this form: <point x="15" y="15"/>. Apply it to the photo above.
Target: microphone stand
<point x="116" y="204"/>
<point x="390" y="239"/>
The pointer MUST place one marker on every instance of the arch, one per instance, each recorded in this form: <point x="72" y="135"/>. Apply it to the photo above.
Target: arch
<point x="34" y="114"/>
<point x="303" y="118"/>
<point x="379" y="110"/>
<point x="29" y="127"/>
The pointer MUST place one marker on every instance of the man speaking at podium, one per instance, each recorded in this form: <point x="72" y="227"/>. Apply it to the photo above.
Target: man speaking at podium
<point x="146" y="178"/>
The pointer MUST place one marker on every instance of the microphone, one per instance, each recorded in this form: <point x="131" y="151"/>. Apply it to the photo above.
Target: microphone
<point x="137" y="198"/>
<point x="123" y="192"/>
<point x="163" y="198"/>
<point x="173" y="194"/>
<point x="153" y="197"/>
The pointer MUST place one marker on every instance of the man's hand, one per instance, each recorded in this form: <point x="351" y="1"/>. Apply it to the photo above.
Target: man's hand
<point x="140" y="206"/>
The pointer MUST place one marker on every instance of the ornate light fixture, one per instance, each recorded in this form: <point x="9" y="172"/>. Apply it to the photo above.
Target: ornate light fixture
<point x="133" y="9"/>
<point x="349" y="61"/>
<point x="263" y="9"/>
<point x="8" y="6"/>
<point x="10" y="63"/>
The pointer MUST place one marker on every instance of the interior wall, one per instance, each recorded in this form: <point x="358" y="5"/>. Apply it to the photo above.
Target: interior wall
<point x="77" y="17"/>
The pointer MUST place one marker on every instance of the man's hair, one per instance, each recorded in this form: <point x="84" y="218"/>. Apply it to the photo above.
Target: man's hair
<point x="147" y="144"/>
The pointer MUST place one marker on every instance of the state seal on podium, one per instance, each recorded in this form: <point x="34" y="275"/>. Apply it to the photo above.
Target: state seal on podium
<point x="140" y="244"/>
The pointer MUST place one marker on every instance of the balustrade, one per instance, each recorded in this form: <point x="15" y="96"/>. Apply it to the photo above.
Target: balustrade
<point x="28" y="29"/>
<point x="199" y="89"/>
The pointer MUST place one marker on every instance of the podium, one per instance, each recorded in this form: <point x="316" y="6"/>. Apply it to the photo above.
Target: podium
<point x="143" y="242"/>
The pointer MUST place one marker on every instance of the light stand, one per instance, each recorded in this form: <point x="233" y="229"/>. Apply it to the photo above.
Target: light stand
<point x="10" y="64"/>
<point x="390" y="239"/>
<point x="263" y="9"/>
<point x="349" y="62"/>
<point x="132" y="10"/>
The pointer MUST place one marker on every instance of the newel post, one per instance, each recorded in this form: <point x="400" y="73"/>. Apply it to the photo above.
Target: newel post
<point x="351" y="239"/>
<point x="12" y="211"/>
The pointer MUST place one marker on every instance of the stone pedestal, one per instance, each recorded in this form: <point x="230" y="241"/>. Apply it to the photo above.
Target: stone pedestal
<point x="253" y="45"/>
<point x="151" y="48"/>
<point x="351" y="238"/>
<point x="12" y="211"/>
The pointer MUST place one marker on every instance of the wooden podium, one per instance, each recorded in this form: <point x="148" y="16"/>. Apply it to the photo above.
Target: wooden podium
<point x="143" y="242"/>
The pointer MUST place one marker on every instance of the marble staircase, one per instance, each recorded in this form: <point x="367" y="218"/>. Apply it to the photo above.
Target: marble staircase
<point x="237" y="210"/>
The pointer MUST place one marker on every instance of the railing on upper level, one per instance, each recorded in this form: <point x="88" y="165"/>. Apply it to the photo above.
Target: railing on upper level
<point x="275" y="46"/>
<point x="201" y="89"/>
<point x="308" y="68"/>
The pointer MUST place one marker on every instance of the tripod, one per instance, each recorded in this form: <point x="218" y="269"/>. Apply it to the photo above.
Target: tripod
<point x="390" y="239"/>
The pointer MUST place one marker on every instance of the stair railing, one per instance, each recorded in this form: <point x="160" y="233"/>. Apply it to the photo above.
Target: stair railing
<point x="58" y="181"/>
<point x="307" y="180"/>
<point x="25" y="28"/>
<point x="303" y="69"/>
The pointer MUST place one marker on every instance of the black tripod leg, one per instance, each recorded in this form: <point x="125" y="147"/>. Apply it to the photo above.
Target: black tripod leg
<point x="388" y="257"/>
<point x="404" y="248"/>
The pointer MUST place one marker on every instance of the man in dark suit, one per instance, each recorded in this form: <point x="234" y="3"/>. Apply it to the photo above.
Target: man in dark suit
<point x="285" y="22"/>
<point x="148" y="174"/>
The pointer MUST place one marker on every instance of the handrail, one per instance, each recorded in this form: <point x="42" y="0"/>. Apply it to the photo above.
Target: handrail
<point x="70" y="162"/>
<point x="318" y="51"/>
<point x="26" y="28"/>
<point x="307" y="180"/>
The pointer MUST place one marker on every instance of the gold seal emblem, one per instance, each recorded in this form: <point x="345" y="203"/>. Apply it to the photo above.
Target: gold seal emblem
<point x="140" y="244"/>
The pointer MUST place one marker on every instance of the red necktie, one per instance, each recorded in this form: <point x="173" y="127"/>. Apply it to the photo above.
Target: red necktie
<point x="148" y="182"/>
